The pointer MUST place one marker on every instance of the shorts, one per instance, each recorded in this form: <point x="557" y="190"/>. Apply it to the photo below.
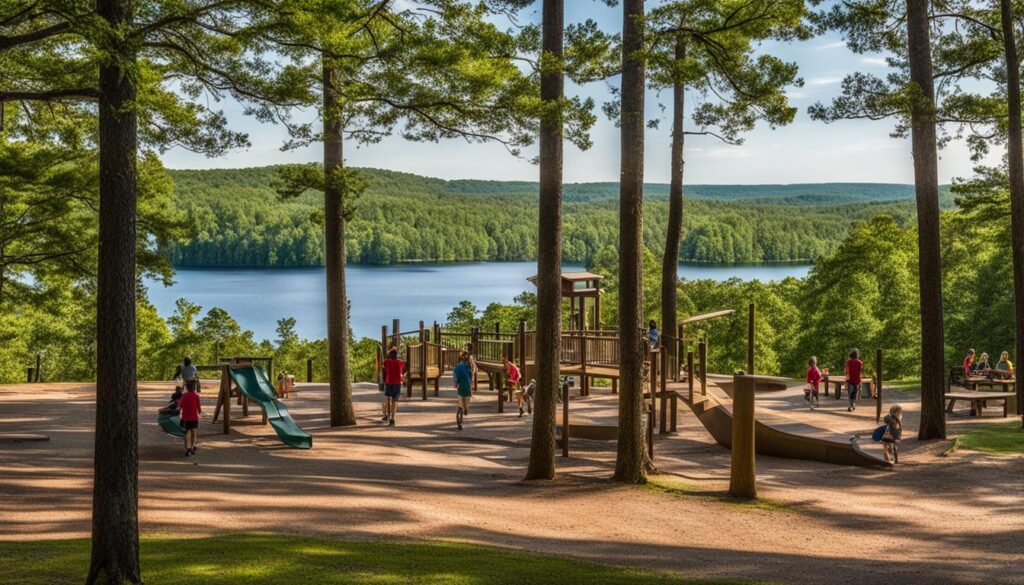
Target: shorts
<point x="393" y="391"/>
<point x="464" y="401"/>
<point x="188" y="425"/>
<point x="853" y="390"/>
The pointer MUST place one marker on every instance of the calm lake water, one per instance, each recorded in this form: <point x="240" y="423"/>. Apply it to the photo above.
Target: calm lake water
<point x="257" y="298"/>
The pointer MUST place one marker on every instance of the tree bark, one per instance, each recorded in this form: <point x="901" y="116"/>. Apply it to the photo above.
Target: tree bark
<point x="342" y="411"/>
<point x="549" y="250"/>
<point x="631" y="459"/>
<point x="1015" y="161"/>
<point x="670" y="262"/>
<point x="926" y="184"/>
<point x="115" y="506"/>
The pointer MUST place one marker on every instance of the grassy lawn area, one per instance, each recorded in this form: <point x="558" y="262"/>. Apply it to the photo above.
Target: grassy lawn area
<point x="673" y="486"/>
<point x="1004" y="438"/>
<point x="249" y="559"/>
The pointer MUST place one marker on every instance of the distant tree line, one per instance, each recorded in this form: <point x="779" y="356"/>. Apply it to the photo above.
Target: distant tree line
<point x="238" y="221"/>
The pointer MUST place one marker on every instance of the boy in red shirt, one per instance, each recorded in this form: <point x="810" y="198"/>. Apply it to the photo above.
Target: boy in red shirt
<point x="813" y="379"/>
<point x="853" y="370"/>
<point x="190" y="408"/>
<point x="394" y="373"/>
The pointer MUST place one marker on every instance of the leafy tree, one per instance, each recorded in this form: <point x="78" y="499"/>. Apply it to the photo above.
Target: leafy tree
<point x="438" y="69"/>
<point x="909" y="95"/>
<point x="708" y="48"/>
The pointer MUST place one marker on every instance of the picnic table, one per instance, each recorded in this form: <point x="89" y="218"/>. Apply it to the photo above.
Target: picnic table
<point x="839" y="380"/>
<point x="979" y="401"/>
<point x="1006" y="384"/>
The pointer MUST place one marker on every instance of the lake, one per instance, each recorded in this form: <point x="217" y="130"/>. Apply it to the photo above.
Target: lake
<point x="257" y="298"/>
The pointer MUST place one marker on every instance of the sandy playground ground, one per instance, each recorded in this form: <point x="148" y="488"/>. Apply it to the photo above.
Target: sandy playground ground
<point x="935" y="519"/>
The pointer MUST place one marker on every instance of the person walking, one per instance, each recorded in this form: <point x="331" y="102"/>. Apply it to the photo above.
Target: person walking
<point x="514" y="378"/>
<point x="462" y="375"/>
<point x="854" y="367"/>
<point x="813" y="377"/>
<point x="191" y="408"/>
<point x="394" y="375"/>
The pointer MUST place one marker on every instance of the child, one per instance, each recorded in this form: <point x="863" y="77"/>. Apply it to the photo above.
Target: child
<point x="891" y="432"/>
<point x="186" y="371"/>
<point x="462" y="375"/>
<point x="969" y="362"/>
<point x="982" y="366"/>
<point x="1004" y="366"/>
<point x="525" y="394"/>
<point x="191" y="408"/>
<point x="853" y="371"/>
<point x="514" y="376"/>
<point x="394" y="374"/>
<point x="653" y="335"/>
<point x="813" y="379"/>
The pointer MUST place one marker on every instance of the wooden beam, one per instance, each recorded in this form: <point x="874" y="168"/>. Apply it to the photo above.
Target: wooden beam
<point x="742" y="477"/>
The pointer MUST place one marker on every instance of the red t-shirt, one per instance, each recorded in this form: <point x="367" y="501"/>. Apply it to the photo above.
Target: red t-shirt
<point x="513" y="373"/>
<point x="813" y="376"/>
<point x="189" y="406"/>
<point x="853" y="368"/>
<point x="968" y="362"/>
<point x="393" y="369"/>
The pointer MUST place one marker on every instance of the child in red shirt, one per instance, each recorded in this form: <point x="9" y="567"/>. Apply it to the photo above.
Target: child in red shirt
<point x="190" y="408"/>
<point x="394" y="374"/>
<point x="853" y="370"/>
<point x="813" y="377"/>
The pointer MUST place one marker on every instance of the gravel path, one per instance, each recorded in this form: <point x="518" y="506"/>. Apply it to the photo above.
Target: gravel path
<point x="935" y="519"/>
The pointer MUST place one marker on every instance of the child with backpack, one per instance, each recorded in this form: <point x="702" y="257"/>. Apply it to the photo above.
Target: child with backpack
<point x="890" y="433"/>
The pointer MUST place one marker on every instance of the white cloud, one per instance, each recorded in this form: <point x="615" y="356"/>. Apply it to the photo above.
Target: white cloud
<point x="820" y="81"/>
<point x="874" y="61"/>
<point x="830" y="46"/>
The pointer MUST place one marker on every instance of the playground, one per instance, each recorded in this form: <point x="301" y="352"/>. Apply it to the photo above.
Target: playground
<point x="936" y="518"/>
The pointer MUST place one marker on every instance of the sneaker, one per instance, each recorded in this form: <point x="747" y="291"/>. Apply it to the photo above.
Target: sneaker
<point x="391" y="422"/>
<point x="188" y="452"/>
<point x="385" y="418"/>
<point x="193" y="449"/>
<point x="520" y="413"/>
<point x="849" y="409"/>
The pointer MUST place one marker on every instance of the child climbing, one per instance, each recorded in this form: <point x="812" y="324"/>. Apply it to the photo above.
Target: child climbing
<point x="191" y="408"/>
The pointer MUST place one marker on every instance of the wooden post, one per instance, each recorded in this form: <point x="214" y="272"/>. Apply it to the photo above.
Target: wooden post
<point x="689" y="375"/>
<point x="395" y="339"/>
<point x="663" y="428"/>
<point x="681" y="347"/>
<point x="750" y="340"/>
<point x="654" y="379"/>
<point x="878" y="385"/>
<point x="423" y="360"/>
<point x="565" y="418"/>
<point x="437" y="333"/>
<point x="650" y="430"/>
<point x="597" y="306"/>
<point x="474" y="344"/>
<point x="31" y="374"/>
<point x="408" y="366"/>
<point x="225" y="385"/>
<point x="309" y="370"/>
<point x="384" y="340"/>
<point x="584" y="380"/>
<point x="743" y="478"/>
<point x="703" y="354"/>
<point x="39" y="367"/>
<point x="521" y="349"/>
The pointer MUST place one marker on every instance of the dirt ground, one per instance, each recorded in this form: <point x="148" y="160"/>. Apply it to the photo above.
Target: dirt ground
<point x="934" y="519"/>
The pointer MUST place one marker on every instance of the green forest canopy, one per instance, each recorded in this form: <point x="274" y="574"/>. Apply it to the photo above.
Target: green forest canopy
<point x="238" y="220"/>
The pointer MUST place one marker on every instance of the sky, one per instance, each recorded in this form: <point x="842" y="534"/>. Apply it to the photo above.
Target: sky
<point x="806" y="151"/>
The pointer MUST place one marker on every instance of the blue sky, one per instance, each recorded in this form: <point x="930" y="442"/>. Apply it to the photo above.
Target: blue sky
<point x="803" y="152"/>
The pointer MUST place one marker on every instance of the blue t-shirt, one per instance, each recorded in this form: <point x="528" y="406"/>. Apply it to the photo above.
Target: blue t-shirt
<point x="653" y="335"/>
<point x="463" y="378"/>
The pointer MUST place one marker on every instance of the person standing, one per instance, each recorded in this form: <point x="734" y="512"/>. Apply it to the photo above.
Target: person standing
<point x="813" y="377"/>
<point x="514" y="378"/>
<point x="462" y="375"/>
<point x="186" y="372"/>
<point x="191" y="408"/>
<point x="394" y="375"/>
<point x="653" y="335"/>
<point x="853" y="373"/>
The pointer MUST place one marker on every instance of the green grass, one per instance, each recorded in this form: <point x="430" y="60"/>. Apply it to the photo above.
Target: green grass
<point x="670" y="485"/>
<point x="1003" y="438"/>
<point x="250" y="559"/>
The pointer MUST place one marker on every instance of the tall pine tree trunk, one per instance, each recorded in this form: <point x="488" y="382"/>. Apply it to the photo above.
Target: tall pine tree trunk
<point x="549" y="249"/>
<point x="1015" y="159"/>
<point x="342" y="412"/>
<point x="926" y="184"/>
<point x="115" y="501"/>
<point x="670" y="263"/>
<point x="631" y="460"/>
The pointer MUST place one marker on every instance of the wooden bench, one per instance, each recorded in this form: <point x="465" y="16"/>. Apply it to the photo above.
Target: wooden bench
<point x="840" y="385"/>
<point x="978" y="400"/>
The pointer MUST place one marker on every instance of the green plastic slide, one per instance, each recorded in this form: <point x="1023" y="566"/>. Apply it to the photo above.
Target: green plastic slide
<point x="171" y="424"/>
<point x="253" y="382"/>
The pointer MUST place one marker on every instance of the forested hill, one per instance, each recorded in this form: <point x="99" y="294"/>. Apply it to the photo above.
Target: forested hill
<point x="239" y="221"/>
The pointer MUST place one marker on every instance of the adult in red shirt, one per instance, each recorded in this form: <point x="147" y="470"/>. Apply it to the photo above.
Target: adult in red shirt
<point x="190" y="408"/>
<point x="394" y="374"/>
<point x="853" y="370"/>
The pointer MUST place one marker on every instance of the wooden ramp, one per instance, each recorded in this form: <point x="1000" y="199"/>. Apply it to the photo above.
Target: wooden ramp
<point x="779" y="436"/>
